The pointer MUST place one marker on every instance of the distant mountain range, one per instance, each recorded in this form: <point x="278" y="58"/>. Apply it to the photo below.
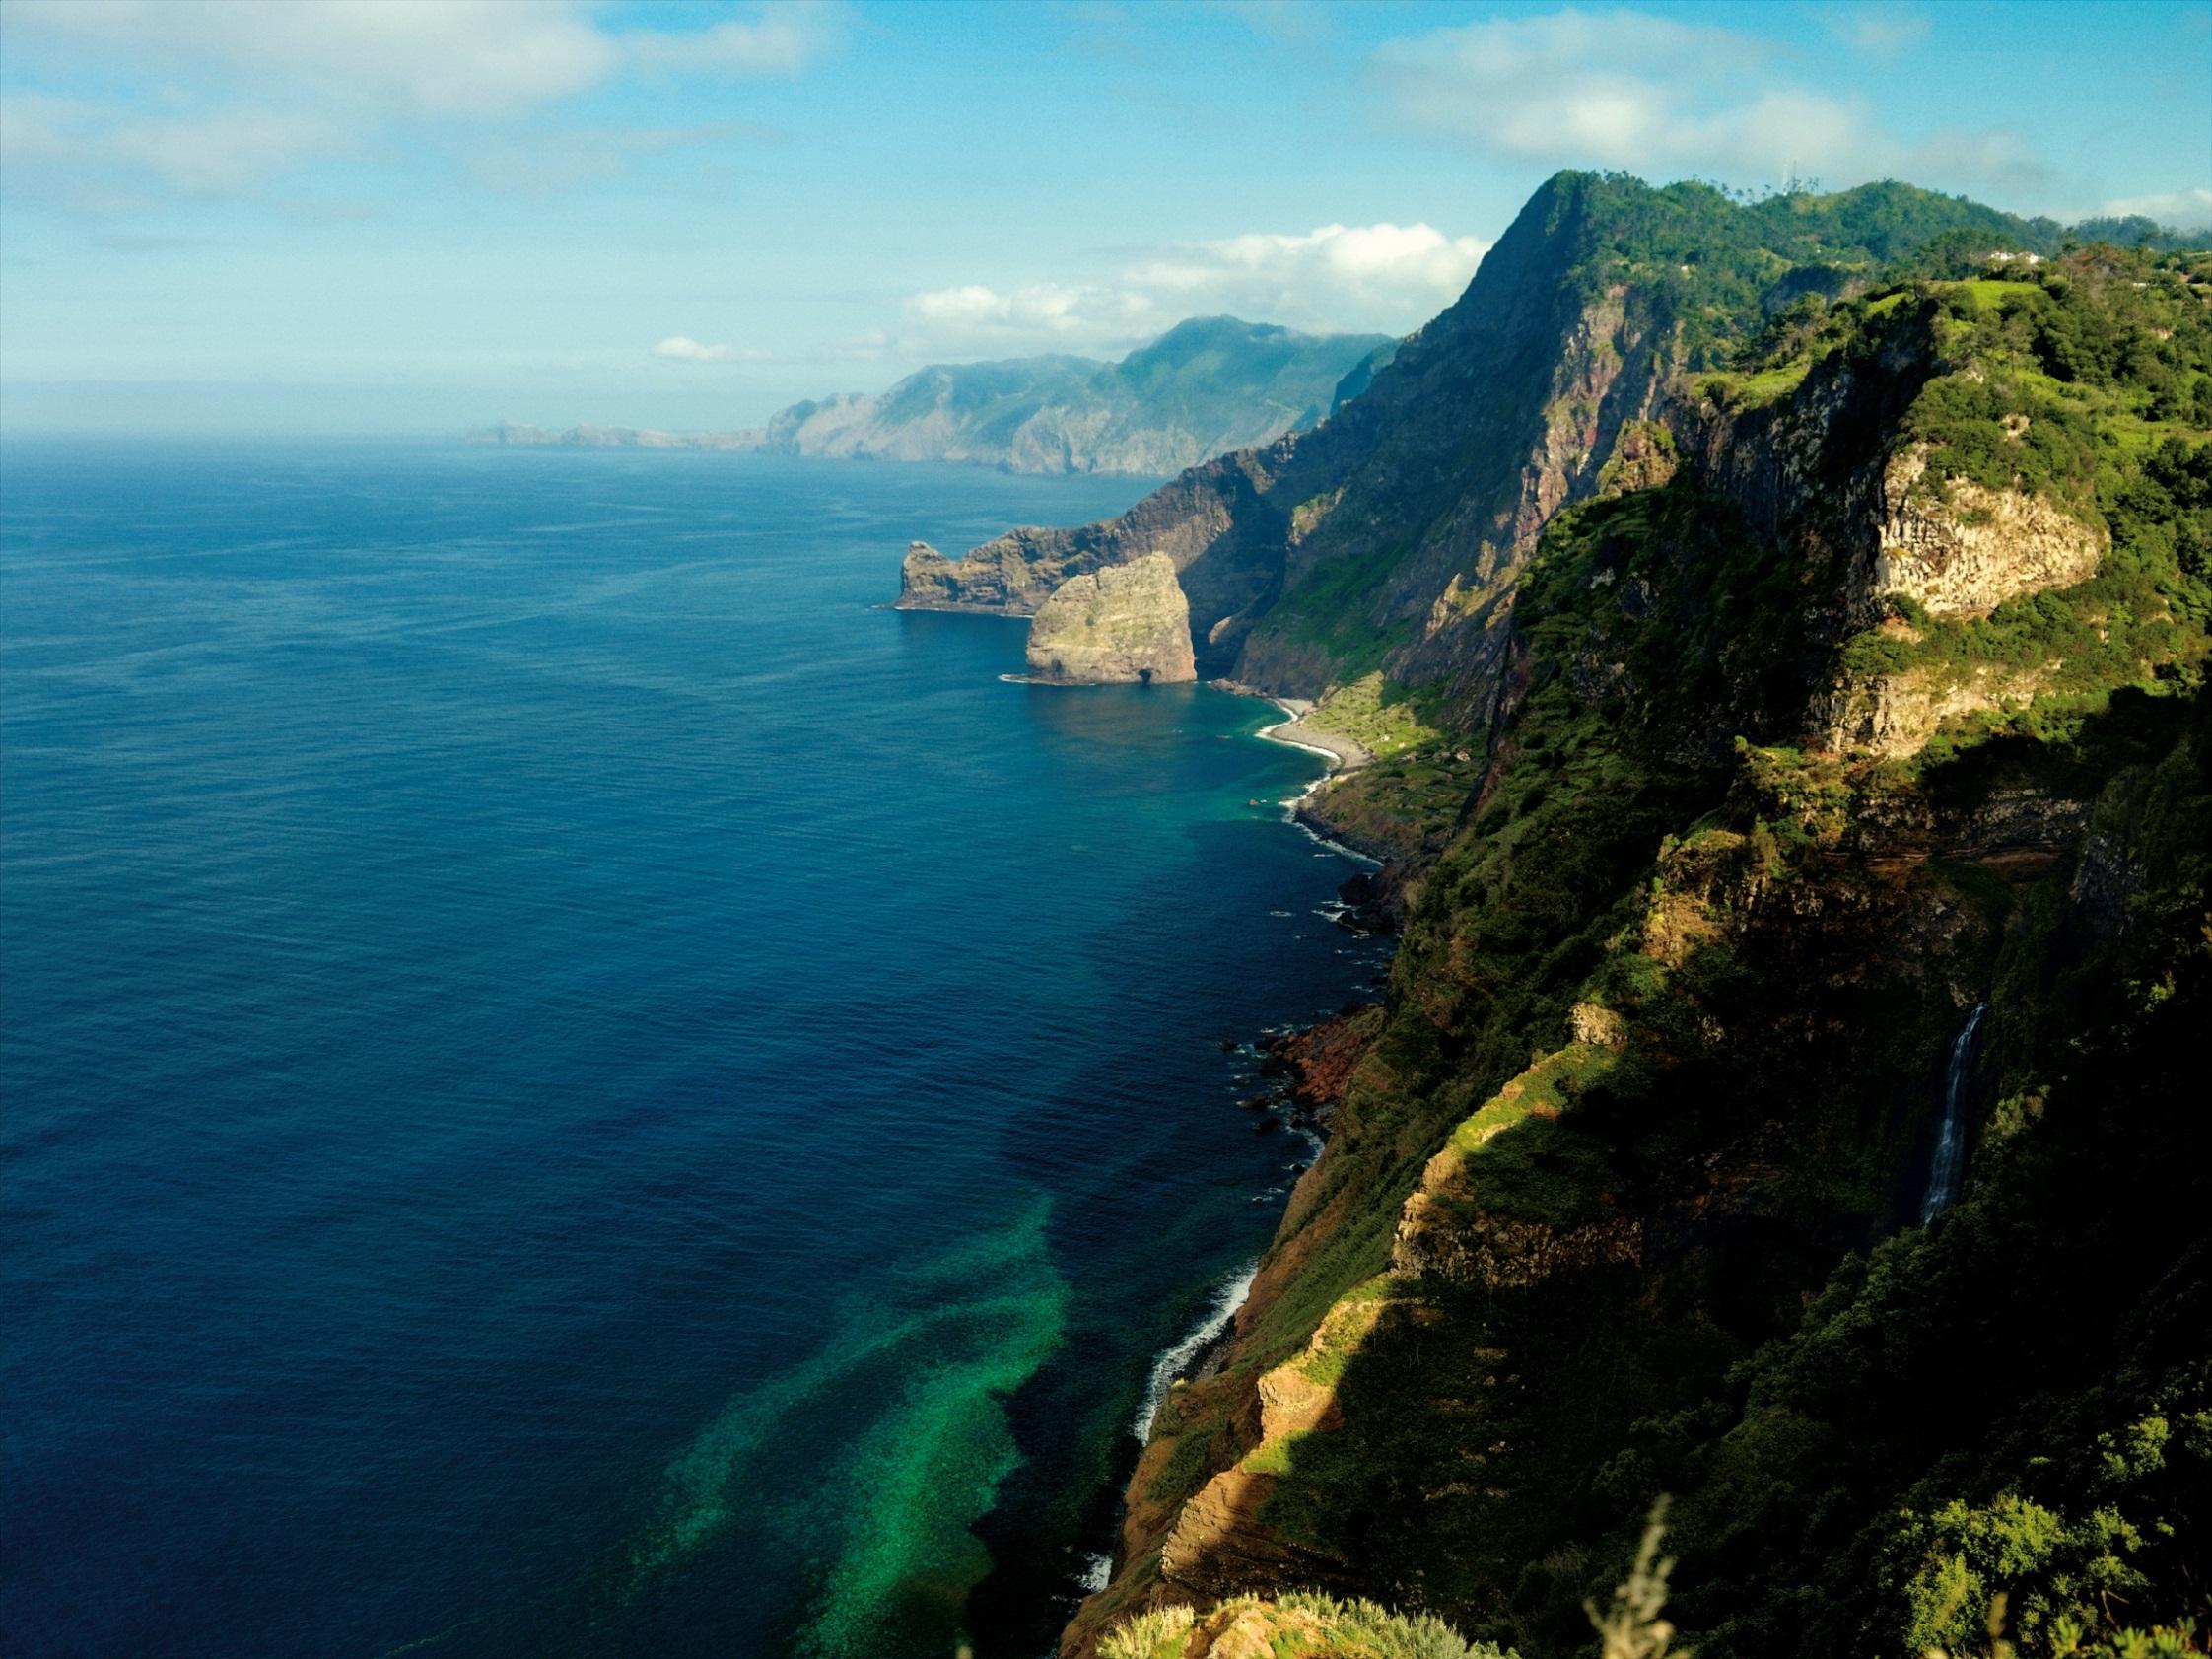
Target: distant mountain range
<point x="1206" y="386"/>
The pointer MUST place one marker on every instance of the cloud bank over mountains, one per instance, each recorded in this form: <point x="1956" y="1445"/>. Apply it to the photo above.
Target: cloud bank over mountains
<point x="1653" y="92"/>
<point x="1383" y="277"/>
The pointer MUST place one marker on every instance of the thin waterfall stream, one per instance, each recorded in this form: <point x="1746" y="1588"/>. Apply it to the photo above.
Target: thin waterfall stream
<point x="1950" y="1161"/>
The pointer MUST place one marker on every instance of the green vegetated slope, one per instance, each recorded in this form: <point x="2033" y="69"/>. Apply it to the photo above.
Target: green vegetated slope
<point x="1863" y="685"/>
<point x="1388" y="536"/>
<point x="1509" y="404"/>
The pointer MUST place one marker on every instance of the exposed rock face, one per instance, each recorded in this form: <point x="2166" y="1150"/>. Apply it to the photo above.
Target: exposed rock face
<point x="1496" y="1252"/>
<point x="1820" y="472"/>
<point x="1321" y="1057"/>
<point x="1645" y="458"/>
<point x="1967" y="556"/>
<point x="1219" y="1546"/>
<point x="1006" y="586"/>
<point x="1126" y="624"/>
<point x="1895" y="715"/>
<point x="1600" y="1028"/>
<point x="1016" y="573"/>
<point x="1446" y="467"/>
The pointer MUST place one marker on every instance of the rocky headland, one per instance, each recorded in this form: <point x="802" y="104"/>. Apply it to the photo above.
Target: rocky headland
<point x="1126" y="624"/>
<point x="1776" y="633"/>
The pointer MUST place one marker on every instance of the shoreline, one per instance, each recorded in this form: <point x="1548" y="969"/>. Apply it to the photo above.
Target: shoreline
<point x="1345" y="754"/>
<point x="1205" y="1349"/>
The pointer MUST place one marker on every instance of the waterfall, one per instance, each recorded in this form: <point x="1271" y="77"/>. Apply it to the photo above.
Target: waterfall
<point x="1950" y="1161"/>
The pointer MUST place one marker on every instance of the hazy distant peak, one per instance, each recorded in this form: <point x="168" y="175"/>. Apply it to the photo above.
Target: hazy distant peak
<point x="1207" y="385"/>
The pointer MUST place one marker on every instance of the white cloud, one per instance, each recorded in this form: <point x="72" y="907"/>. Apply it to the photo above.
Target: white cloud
<point x="782" y="41"/>
<point x="1042" y="311"/>
<point x="2186" y="210"/>
<point x="222" y="154"/>
<point x="1380" y="275"/>
<point x="245" y="88"/>
<point x="965" y="305"/>
<point x="1653" y="92"/>
<point x="476" y="58"/>
<point x="470" y="57"/>
<point x="97" y="159"/>
<point x="1382" y="278"/>
<point x="1882" y="30"/>
<point x="682" y="348"/>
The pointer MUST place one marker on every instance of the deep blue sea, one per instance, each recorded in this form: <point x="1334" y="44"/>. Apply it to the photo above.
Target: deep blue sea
<point x="569" y="1086"/>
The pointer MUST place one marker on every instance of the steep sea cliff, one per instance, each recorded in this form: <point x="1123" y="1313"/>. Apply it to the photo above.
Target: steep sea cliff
<point x="1780" y="632"/>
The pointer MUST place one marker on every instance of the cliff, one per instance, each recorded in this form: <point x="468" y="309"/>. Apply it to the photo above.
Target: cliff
<point x="1126" y="624"/>
<point x="1207" y="385"/>
<point x="1388" y="536"/>
<point x="1786" y="663"/>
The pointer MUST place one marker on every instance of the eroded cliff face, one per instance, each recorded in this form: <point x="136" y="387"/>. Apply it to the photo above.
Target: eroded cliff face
<point x="1827" y="472"/>
<point x="1124" y="624"/>
<point x="998" y="581"/>
<point x="1893" y="716"/>
<point x="1201" y="521"/>
<point x="1671" y="997"/>
<point x="1427" y="490"/>
<point x="1960" y="549"/>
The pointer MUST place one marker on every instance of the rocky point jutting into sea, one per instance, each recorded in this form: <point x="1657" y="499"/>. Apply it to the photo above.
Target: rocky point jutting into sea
<point x="1779" y="629"/>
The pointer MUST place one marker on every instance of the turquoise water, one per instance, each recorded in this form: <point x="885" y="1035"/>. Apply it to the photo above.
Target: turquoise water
<point x="572" y="1086"/>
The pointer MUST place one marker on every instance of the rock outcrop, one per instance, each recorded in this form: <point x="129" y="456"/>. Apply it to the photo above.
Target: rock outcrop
<point x="1968" y="554"/>
<point x="1527" y="1287"/>
<point x="1895" y="715"/>
<point x="1211" y="521"/>
<point x="997" y="585"/>
<point x="1127" y="624"/>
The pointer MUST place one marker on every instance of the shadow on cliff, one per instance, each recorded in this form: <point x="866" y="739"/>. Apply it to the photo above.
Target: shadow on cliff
<point x="1789" y="1358"/>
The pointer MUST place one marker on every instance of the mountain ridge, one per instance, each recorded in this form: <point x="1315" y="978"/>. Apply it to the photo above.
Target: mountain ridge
<point x="1784" y="627"/>
<point x="1208" y="385"/>
<point x="1525" y="379"/>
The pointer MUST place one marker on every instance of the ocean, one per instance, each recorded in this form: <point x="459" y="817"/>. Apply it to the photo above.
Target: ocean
<point x="570" y="1083"/>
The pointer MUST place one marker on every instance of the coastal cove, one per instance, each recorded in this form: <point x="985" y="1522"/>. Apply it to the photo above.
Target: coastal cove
<point x="624" y="1098"/>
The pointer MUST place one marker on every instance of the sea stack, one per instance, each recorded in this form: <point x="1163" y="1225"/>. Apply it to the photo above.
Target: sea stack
<point x="1129" y="624"/>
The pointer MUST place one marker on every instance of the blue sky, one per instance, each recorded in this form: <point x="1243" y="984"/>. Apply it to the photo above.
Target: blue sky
<point x="386" y="215"/>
